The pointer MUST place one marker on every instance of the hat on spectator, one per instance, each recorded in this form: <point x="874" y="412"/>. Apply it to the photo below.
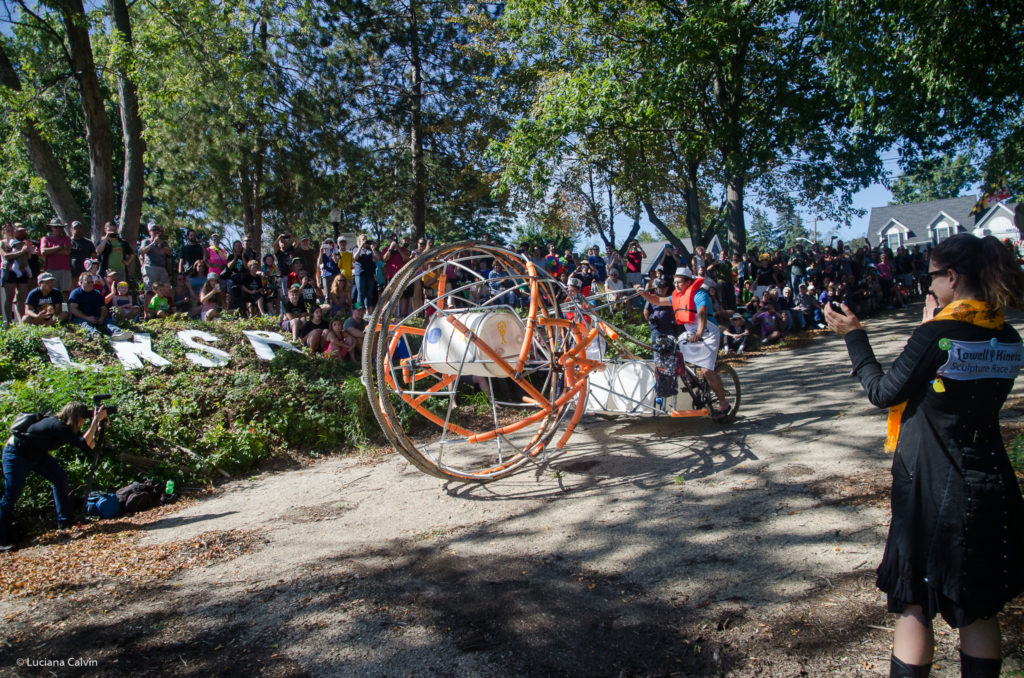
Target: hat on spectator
<point x="295" y="286"/>
<point x="685" y="272"/>
<point x="76" y="223"/>
<point x="357" y="306"/>
<point x="575" y="282"/>
<point x="764" y="257"/>
<point x="211" y="276"/>
<point x="55" y="224"/>
<point x="787" y="288"/>
<point x="110" y="272"/>
<point x="45" y="276"/>
<point x="736" y="315"/>
<point x="296" y="260"/>
<point x="661" y="282"/>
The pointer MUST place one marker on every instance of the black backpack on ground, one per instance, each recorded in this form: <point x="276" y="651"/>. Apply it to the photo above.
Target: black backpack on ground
<point x="140" y="496"/>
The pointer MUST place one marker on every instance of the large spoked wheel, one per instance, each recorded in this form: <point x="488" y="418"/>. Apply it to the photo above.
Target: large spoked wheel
<point x="483" y="372"/>
<point x="731" y="385"/>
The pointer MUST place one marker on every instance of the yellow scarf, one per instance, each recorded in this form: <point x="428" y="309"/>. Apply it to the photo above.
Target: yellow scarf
<point x="978" y="313"/>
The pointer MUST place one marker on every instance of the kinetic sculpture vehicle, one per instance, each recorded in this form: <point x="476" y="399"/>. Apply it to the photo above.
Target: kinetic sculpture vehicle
<point x="538" y="369"/>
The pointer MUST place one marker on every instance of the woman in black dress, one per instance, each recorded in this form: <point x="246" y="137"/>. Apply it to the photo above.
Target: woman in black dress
<point x="954" y="545"/>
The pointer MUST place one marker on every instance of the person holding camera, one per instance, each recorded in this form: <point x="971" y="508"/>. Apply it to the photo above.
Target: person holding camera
<point x="155" y="252"/>
<point x="30" y="451"/>
<point x="954" y="544"/>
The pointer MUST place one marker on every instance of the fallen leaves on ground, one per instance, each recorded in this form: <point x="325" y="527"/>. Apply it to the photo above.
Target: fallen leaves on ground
<point x="93" y="553"/>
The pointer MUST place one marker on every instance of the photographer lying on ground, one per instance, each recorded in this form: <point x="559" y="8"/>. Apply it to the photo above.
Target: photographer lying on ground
<point x="30" y="451"/>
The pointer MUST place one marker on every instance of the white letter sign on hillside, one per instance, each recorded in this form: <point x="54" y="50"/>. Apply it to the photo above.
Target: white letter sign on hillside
<point x="190" y="338"/>
<point x="132" y="353"/>
<point x="263" y="343"/>
<point x="58" y="353"/>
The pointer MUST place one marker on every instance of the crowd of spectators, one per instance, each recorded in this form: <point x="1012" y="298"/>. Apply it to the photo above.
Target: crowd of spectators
<point x="321" y="293"/>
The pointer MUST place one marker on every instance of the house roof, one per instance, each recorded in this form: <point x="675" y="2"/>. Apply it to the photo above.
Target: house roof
<point x="918" y="216"/>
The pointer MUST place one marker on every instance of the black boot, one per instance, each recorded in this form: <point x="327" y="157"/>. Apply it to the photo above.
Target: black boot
<point x="900" y="669"/>
<point x="977" y="667"/>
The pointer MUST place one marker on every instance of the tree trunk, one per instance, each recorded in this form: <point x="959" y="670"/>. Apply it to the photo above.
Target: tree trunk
<point x="419" y="179"/>
<point x="97" y="129"/>
<point x="611" y="215"/>
<point x="634" y="229"/>
<point x="44" y="162"/>
<point x="734" y="214"/>
<point x="693" y="219"/>
<point x="131" y="126"/>
<point x="664" y="229"/>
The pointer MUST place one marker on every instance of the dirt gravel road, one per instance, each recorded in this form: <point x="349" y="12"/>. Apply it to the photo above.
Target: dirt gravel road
<point x="653" y="547"/>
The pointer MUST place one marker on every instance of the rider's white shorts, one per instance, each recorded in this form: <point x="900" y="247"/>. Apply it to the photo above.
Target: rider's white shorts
<point x="703" y="353"/>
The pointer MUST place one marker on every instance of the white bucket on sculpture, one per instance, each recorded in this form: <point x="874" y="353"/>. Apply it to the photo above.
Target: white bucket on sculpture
<point x="626" y="387"/>
<point x="446" y="348"/>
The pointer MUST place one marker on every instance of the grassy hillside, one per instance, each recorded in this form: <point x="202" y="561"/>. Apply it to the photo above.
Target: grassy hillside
<point x="182" y="421"/>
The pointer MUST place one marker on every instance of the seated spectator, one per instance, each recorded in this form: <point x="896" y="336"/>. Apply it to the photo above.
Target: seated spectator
<point x="337" y="344"/>
<point x="497" y="283"/>
<point x="586" y="276"/>
<point x="796" y="320"/>
<point x="661" y="319"/>
<point x="185" y="300"/>
<point x="121" y="303"/>
<point x="340" y="297"/>
<point x="311" y="333"/>
<point x="88" y="309"/>
<point x="747" y="293"/>
<point x="161" y="304"/>
<point x="293" y="311"/>
<point x="768" y="323"/>
<point x="736" y="334"/>
<point x="250" y="289"/>
<point x="45" y="304"/>
<point x="613" y="285"/>
<point x="310" y="294"/>
<point x="211" y="298"/>
<point x="197" y="276"/>
<point x="805" y="304"/>
<point x="355" y="326"/>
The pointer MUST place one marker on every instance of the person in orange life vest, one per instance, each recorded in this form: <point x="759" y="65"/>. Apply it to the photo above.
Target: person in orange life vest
<point x="701" y="337"/>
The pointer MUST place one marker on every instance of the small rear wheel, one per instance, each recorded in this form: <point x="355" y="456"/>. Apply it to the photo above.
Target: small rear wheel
<point x="731" y="386"/>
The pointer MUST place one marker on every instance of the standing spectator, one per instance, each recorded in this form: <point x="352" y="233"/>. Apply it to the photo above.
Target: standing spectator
<point x="598" y="264"/>
<point x="307" y="254"/>
<point x="394" y="257"/>
<point x="798" y="263"/>
<point x="16" y="272"/>
<point x="191" y="251"/>
<point x="344" y="259"/>
<point x="764" y="276"/>
<point x="216" y="257"/>
<point x="56" y="250"/>
<point x="615" y="262"/>
<point x="89" y="309"/>
<point x="553" y="263"/>
<point x="364" y="268"/>
<point x="155" y="253"/>
<point x="248" y="251"/>
<point x="736" y="334"/>
<point x="661" y="319"/>
<point x="45" y="304"/>
<point x="284" y="251"/>
<point x="114" y="252"/>
<point x="82" y="249"/>
<point x="497" y="283"/>
<point x="634" y="262"/>
<point x="327" y="266"/>
<point x="668" y="262"/>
